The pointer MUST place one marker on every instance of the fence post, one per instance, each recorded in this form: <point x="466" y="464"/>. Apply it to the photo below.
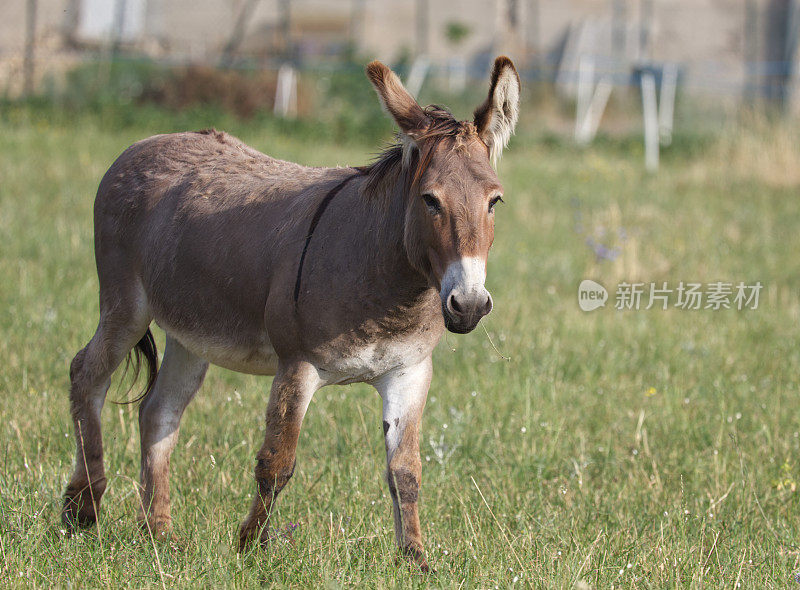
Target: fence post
<point x="422" y="18"/>
<point x="416" y="77"/>
<point x="286" y="92"/>
<point x="650" y="108"/>
<point x="30" y="48"/>
<point x="585" y="85"/>
<point x="237" y="34"/>
<point x="666" y="103"/>
<point x="592" y="101"/>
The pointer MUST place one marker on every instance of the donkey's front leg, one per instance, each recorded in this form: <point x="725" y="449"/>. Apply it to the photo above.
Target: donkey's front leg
<point x="404" y="392"/>
<point x="292" y="389"/>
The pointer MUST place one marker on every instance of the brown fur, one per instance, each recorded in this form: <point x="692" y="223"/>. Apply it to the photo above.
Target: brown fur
<point x="214" y="241"/>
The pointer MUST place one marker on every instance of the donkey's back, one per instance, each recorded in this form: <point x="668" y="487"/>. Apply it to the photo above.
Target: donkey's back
<point x="184" y="174"/>
<point x="191" y="230"/>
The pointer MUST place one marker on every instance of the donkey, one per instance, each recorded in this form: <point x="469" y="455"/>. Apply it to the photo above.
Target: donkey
<point x="317" y="276"/>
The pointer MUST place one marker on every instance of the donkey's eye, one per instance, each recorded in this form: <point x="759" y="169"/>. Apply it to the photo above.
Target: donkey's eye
<point x="433" y="204"/>
<point x="494" y="202"/>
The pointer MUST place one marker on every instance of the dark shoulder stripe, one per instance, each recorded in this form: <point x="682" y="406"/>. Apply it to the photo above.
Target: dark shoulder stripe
<point x="314" y="221"/>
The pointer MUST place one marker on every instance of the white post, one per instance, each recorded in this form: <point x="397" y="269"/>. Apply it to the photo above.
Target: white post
<point x="416" y="77"/>
<point x="650" y="109"/>
<point x="286" y="92"/>
<point x="585" y="84"/>
<point x="594" y="113"/>
<point x="666" y="107"/>
<point x="592" y="101"/>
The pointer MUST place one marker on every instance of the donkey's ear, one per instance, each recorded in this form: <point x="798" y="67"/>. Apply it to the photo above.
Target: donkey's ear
<point x="496" y="118"/>
<point x="395" y="99"/>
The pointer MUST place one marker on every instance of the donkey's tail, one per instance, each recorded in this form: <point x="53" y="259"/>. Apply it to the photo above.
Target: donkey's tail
<point x="146" y="347"/>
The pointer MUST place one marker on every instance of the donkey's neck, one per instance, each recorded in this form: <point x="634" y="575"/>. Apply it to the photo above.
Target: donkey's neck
<point x="383" y="242"/>
<point x="386" y="227"/>
<point x="357" y="272"/>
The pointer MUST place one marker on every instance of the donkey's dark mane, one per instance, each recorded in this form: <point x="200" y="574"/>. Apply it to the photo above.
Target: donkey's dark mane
<point x="402" y="158"/>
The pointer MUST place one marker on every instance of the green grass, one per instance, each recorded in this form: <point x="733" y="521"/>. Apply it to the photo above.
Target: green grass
<point x="640" y="449"/>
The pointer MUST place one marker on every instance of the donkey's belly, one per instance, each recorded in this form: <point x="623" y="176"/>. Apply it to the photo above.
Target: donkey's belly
<point x="255" y="358"/>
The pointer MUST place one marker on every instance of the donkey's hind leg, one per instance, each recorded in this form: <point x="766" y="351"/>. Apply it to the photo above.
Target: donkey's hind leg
<point x="178" y="380"/>
<point x="121" y="327"/>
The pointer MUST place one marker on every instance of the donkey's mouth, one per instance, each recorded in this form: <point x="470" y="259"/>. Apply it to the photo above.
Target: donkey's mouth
<point x="459" y="325"/>
<point x="462" y="312"/>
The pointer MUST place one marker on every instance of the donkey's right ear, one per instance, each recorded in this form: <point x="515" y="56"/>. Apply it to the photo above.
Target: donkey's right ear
<point x="395" y="99"/>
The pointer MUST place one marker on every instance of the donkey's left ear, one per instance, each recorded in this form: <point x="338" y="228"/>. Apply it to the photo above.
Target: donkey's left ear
<point x="496" y="118"/>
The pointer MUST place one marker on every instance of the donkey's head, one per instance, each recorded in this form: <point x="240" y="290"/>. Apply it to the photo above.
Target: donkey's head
<point x="453" y="188"/>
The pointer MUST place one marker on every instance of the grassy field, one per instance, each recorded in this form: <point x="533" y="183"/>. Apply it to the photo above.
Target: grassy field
<point x="635" y="449"/>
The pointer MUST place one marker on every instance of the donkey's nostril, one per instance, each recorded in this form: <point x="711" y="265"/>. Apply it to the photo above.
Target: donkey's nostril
<point x="455" y="306"/>
<point x="487" y="307"/>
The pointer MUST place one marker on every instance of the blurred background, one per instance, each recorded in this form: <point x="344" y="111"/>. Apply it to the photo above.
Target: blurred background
<point x="608" y="66"/>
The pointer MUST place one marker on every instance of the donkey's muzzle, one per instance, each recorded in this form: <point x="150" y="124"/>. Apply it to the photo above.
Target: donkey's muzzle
<point x="464" y="298"/>
<point x="463" y="311"/>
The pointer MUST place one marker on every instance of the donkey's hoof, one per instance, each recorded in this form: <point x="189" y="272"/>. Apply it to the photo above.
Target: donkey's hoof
<point x="159" y="528"/>
<point x="415" y="556"/>
<point x="82" y="503"/>
<point x="78" y="512"/>
<point x="163" y="534"/>
<point x="248" y="534"/>
<point x="424" y="567"/>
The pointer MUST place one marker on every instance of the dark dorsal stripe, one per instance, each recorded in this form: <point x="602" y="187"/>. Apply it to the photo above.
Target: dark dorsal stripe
<point x="314" y="221"/>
